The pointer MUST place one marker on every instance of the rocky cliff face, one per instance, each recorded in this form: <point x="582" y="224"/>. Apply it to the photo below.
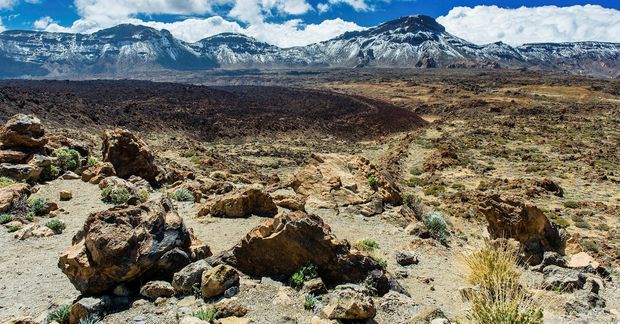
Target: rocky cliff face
<point x="411" y="41"/>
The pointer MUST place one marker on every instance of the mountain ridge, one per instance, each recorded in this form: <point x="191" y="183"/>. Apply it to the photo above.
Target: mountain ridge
<point x="414" y="41"/>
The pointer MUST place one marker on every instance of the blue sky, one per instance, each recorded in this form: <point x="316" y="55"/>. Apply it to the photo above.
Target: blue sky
<point x="296" y="22"/>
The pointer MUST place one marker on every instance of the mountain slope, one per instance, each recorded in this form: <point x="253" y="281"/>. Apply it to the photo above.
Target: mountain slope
<point x="411" y="41"/>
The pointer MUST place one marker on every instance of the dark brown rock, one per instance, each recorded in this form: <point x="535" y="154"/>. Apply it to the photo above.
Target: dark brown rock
<point x="283" y="245"/>
<point x="129" y="155"/>
<point x="122" y="244"/>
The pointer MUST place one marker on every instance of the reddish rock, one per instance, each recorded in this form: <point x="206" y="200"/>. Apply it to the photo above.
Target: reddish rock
<point x="23" y="131"/>
<point x="98" y="172"/>
<point x="240" y="204"/>
<point x="129" y="155"/>
<point x="9" y="196"/>
<point x="283" y="245"/>
<point x="121" y="245"/>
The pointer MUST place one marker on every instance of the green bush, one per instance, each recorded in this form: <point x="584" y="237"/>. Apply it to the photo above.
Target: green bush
<point x="13" y="229"/>
<point x="49" y="173"/>
<point x="415" y="171"/>
<point x="302" y="275"/>
<point x="571" y="204"/>
<point x="115" y="195"/>
<point x="144" y="195"/>
<point x="205" y="314"/>
<point x="91" y="161"/>
<point x="590" y="246"/>
<point x="5" y="218"/>
<point x="5" y="182"/>
<point x="372" y="181"/>
<point x="182" y="195"/>
<point x="457" y="186"/>
<point x="38" y="206"/>
<point x="436" y="224"/>
<point x="435" y="190"/>
<point x="30" y="216"/>
<point x="310" y="302"/>
<point x="67" y="159"/>
<point x="56" y="225"/>
<point x="60" y="314"/>
<point x="416" y="182"/>
<point x="367" y="245"/>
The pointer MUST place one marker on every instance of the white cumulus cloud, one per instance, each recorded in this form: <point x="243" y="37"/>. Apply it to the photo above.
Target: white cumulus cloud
<point x="255" y="16"/>
<point x="2" y="28"/>
<point x="487" y="24"/>
<point x="7" y="4"/>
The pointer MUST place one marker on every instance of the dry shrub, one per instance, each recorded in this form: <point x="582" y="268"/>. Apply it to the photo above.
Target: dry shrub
<point x="499" y="297"/>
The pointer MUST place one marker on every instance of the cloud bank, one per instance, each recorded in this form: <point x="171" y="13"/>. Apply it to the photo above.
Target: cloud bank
<point x="250" y="17"/>
<point x="487" y="24"/>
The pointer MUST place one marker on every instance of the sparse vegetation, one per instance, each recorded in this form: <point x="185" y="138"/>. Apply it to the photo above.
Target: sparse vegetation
<point x="60" y="314"/>
<point x="92" y="319"/>
<point x="415" y="171"/>
<point x="5" y="218"/>
<point x="38" y="206"/>
<point x="367" y="245"/>
<point x="381" y="261"/>
<point x="372" y="181"/>
<point x="499" y="297"/>
<point x="91" y="161"/>
<point x="205" y="314"/>
<point x="182" y="194"/>
<point x="5" y="182"/>
<point x="590" y="245"/>
<point x="67" y="159"/>
<point x="435" y="190"/>
<point x="14" y="229"/>
<point x="310" y="302"/>
<point x="30" y="216"/>
<point x="436" y="223"/>
<point x="56" y="225"/>
<point x="49" y="173"/>
<point x="115" y="195"/>
<point x="416" y="182"/>
<point x="571" y="204"/>
<point x="302" y="275"/>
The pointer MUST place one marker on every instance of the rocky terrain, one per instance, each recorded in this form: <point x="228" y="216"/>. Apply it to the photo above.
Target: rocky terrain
<point x="392" y="196"/>
<point x="408" y="42"/>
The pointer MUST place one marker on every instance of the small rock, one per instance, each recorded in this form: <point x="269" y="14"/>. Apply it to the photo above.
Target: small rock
<point x="43" y="231"/>
<point x="89" y="306"/>
<point x="350" y="306"/>
<point x="232" y="291"/>
<point x="372" y="208"/>
<point x="228" y="308"/>
<point x="550" y="258"/>
<point x="66" y="195"/>
<point x="562" y="279"/>
<point x="234" y="320"/>
<point x="418" y="229"/>
<point x="70" y="176"/>
<point x="215" y="281"/>
<point x="156" y="289"/>
<point x="189" y="277"/>
<point x="282" y="297"/>
<point x="315" y="287"/>
<point x="406" y="258"/>
<point x="426" y="315"/>
<point x="582" y="260"/>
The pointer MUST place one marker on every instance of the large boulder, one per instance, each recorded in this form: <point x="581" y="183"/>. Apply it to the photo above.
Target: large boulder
<point x="123" y="244"/>
<point x="281" y="246"/>
<point x="26" y="172"/>
<point x="240" y="204"/>
<point x="349" y="305"/>
<point x="23" y="132"/>
<point x="129" y="155"/>
<point x="10" y="195"/>
<point x="215" y="281"/>
<point x="331" y="181"/>
<point x="524" y="222"/>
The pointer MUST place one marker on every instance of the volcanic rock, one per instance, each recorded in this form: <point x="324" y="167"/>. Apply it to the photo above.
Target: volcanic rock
<point x="240" y="204"/>
<point x="129" y="155"/>
<point x="23" y="131"/>
<point x="524" y="222"/>
<point x="281" y="246"/>
<point x="215" y="281"/>
<point x="121" y="244"/>
<point x="10" y="196"/>
<point x="332" y="180"/>
<point x="98" y="172"/>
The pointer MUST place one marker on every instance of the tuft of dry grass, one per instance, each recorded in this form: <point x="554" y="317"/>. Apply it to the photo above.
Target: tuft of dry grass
<point x="493" y="265"/>
<point x="499" y="297"/>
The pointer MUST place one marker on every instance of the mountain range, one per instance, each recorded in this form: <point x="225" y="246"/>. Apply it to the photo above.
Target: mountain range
<point x="408" y="42"/>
